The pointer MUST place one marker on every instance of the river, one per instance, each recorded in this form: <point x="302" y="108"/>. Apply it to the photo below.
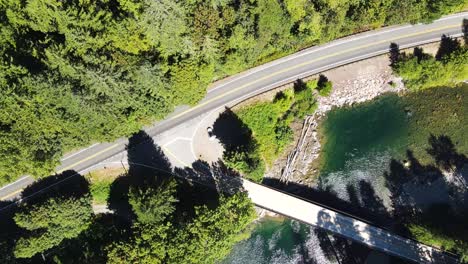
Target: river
<point x="286" y="241"/>
<point x="359" y="143"/>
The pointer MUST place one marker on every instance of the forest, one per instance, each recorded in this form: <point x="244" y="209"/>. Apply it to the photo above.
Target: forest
<point x="155" y="215"/>
<point x="261" y="131"/>
<point x="80" y="71"/>
<point x="421" y="70"/>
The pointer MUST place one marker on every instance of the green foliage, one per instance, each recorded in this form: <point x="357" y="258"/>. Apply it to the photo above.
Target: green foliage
<point x="207" y="238"/>
<point x="80" y="71"/>
<point x="213" y="232"/>
<point x="325" y="90"/>
<point x="431" y="237"/>
<point x="153" y="205"/>
<point x="422" y="71"/>
<point x="440" y="226"/>
<point x="271" y="131"/>
<point x="266" y="122"/>
<point x="322" y="84"/>
<point x="246" y="160"/>
<point x="51" y="222"/>
<point x="100" y="191"/>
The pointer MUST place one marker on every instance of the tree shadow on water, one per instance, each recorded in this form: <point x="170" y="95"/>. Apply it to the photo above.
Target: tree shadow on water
<point x="444" y="153"/>
<point x="404" y="251"/>
<point x="410" y="182"/>
<point x="371" y="208"/>
<point x="434" y="195"/>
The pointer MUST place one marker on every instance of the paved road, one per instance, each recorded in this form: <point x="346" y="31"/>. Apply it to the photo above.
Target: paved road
<point x="279" y="72"/>
<point x="265" y="77"/>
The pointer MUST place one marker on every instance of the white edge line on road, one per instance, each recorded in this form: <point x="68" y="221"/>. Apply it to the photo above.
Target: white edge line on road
<point x="452" y="16"/>
<point x="15" y="182"/>
<point x="282" y="82"/>
<point x="198" y="127"/>
<point x="76" y="153"/>
<point x="285" y="81"/>
<point x="176" y="139"/>
<point x="313" y="49"/>
<point x="304" y="52"/>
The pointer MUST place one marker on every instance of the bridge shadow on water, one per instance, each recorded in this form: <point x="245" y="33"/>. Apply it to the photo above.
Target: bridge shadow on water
<point x="421" y="195"/>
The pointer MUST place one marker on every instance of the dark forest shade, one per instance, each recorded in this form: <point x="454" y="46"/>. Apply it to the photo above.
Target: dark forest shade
<point x="73" y="72"/>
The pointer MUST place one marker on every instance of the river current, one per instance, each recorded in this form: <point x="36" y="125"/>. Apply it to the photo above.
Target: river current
<point x="359" y="142"/>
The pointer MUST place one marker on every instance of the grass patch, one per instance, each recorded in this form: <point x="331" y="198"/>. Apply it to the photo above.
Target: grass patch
<point x="100" y="182"/>
<point x="269" y="123"/>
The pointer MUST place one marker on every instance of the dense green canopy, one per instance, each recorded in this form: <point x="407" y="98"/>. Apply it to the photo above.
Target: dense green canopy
<point x="168" y="221"/>
<point x="51" y="222"/>
<point x="77" y="71"/>
<point x="207" y="238"/>
<point x="448" y="67"/>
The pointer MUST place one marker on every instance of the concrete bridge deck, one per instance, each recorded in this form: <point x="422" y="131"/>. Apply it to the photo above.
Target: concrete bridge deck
<point x="344" y="225"/>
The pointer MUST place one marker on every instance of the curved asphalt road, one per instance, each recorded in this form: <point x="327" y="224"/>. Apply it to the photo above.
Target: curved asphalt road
<point x="269" y="76"/>
<point x="282" y="71"/>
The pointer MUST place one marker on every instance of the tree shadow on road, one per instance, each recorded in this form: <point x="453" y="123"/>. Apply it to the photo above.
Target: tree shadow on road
<point x="231" y="131"/>
<point x="203" y="184"/>
<point x="66" y="184"/>
<point x="147" y="167"/>
<point x="446" y="47"/>
<point x="200" y="184"/>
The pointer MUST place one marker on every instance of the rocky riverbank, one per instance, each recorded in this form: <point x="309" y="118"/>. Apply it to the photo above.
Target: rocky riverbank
<point x="353" y="83"/>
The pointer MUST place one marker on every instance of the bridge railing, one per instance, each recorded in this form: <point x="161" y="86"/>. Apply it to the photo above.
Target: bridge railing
<point x="451" y="254"/>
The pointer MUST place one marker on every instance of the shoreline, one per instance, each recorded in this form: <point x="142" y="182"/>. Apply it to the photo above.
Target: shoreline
<point x="354" y="83"/>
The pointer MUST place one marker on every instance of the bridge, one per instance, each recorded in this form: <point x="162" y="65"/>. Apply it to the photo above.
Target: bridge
<point x="344" y="225"/>
<point x="177" y="133"/>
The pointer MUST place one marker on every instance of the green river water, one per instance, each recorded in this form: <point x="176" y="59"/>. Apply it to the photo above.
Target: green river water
<point x="358" y="144"/>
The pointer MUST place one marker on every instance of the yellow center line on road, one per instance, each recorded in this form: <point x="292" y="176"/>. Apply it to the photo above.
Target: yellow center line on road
<point x="307" y="63"/>
<point x="170" y="153"/>
<point x="10" y="194"/>
<point x="266" y="77"/>
<point x="88" y="158"/>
